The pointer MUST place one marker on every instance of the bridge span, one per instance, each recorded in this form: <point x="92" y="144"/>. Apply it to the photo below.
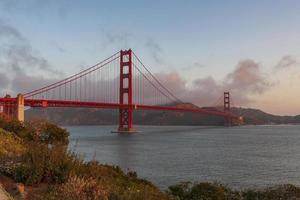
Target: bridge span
<point x="119" y="82"/>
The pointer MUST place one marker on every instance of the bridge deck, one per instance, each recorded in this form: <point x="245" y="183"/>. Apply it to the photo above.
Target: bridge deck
<point x="83" y="104"/>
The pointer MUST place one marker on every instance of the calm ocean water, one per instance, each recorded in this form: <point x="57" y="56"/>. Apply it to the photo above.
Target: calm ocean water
<point x="247" y="156"/>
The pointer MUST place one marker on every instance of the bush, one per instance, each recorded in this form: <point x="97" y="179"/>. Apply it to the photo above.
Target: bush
<point x="214" y="191"/>
<point x="38" y="131"/>
<point x="202" y="191"/>
<point x="10" y="144"/>
<point x="279" y="192"/>
<point x="13" y="126"/>
<point x="207" y="191"/>
<point x="78" y="189"/>
<point x="181" y="190"/>
<point x="43" y="163"/>
<point x="48" y="133"/>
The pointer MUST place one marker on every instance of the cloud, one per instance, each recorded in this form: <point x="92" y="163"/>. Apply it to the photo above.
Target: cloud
<point x="246" y="80"/>
<point x="126" y="40"/>
<point x="23" y="70"/>
<point x="155" y="50"/>
<point x="18" y="61"/>
<point x="194" y="66"/>
<point x="4" y="81"/>
<point x="286" y="62"/>
<point x="120" y="39"/>
<point x="24" y="83"/>
<point x="8" y="31"/>
<point x="247" y="77"/>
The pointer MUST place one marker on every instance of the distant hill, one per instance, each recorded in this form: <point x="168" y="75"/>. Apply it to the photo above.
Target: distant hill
<point x="91" y="116"/>
<point x="255" y="116"/>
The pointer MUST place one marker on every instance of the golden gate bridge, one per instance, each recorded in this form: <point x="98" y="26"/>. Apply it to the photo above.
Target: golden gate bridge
<point x="120" y="82"/>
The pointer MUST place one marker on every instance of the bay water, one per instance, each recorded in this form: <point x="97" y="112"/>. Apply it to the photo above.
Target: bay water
<point x="240" y="157"/>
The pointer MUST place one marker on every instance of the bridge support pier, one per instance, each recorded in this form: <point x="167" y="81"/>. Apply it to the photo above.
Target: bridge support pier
<point x="13" y="108"/>
<point x="125" y="113"/>
<point x="20" y="108"/>
<point x="8" y="107"/>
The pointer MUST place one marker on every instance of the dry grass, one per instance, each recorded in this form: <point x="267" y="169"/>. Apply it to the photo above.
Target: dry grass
<point x="78" y="189"/>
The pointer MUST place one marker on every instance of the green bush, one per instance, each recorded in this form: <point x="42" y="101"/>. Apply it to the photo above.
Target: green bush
<point x="278" y="192"/>
<point x="202" y="191"/>
<point x="44" y="163"/>
<point x="214" y="191"/>
<point x="181" y="190"/>
<point x="53" y="134"/>
<point x="38" y="131"/>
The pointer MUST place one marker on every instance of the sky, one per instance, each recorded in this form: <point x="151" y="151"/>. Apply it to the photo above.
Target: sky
<point x="198" y="48"/>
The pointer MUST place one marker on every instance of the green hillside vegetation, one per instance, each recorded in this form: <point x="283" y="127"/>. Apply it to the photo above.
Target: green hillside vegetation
<point x="216" y="191"/>
<point x="35" y="154"/>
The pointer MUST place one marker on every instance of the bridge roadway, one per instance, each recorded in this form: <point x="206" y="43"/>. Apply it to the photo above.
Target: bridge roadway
<point x="84" y="104"/>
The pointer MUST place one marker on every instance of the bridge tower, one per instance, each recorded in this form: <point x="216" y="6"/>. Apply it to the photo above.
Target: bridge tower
<point x="228" y="120"/>
<point x="226" y="102"/>
<point x="125" y="97"/>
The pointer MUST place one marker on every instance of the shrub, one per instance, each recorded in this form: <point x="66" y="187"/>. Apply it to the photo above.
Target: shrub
<point x="181" y="190"/>
<point x="199" y="191"/>
<point x="43" y="163"/>
<point x="38" y="131"/>
<point x="48" y="133"/>
<point x="78" y="189"/>
<point x="207" y="191"/>
<point x="13" y="126"/>
<point x="279" y="192"/>
<point x="10" y="144"/>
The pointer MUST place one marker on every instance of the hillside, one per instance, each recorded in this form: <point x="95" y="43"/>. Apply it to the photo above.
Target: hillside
<point x="89" y="116"/>
<point x="255" y="116"/>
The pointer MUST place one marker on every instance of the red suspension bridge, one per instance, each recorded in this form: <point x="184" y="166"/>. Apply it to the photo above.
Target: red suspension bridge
<point x="120" y="82"/>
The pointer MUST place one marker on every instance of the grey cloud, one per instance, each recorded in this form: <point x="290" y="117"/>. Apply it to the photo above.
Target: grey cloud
<point x="286" y="62"/>
<point x="195" y="65"/>
<point x="4" y="81"/>
<point x="18" y="61"/>
<point x="125" y="40"/>
<point x="19" y="57"/>
<point x="120" y="39"/>
<point x="8" y="31"/>
<point x="25" y="83"/>
<point x="155" y="50"/>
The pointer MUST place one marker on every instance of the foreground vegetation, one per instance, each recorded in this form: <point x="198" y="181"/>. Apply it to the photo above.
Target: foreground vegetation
<point x="36" y="154"/>
<point x="216" y="191"/>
